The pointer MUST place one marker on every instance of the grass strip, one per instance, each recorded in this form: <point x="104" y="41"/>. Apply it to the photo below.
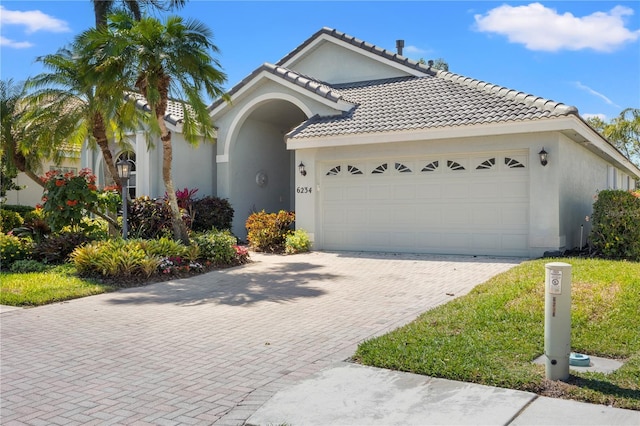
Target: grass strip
<point x="40" y="288"/>
<point x="491" y="335"/>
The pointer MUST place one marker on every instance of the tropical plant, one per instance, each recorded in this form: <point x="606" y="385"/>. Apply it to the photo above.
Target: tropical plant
<point x="217" y="246"/>
<point x="68" y="197"/>
<point x="616" y="224"/>
<point x="12" y="249"/>
<point x="102" y="8"/>
<point x="161" y="61"/>
<point x="55" y="248"/>
<point x="9" y="220"/>
<point x="268" y="231"/>
<point x="297" y="242"/>
<point x="211" y="212"/>
<point x="623" y="131"/>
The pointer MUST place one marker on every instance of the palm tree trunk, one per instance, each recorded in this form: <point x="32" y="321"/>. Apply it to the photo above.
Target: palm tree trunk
<point x="179" y="228"/>
<point x="100" y="135"/>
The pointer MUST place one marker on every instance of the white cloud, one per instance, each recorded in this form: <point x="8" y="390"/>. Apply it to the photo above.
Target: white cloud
<point x="33" y="20"/>
<point x="14" y="44"/>
<point x="587" y="116"/>
<point x="542" y="28"/>
<point x="595" y="93"/>
<point x="414" y="50"/>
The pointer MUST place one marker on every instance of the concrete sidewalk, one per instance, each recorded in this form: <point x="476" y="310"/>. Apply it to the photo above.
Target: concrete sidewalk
<point x="351" y="394"/>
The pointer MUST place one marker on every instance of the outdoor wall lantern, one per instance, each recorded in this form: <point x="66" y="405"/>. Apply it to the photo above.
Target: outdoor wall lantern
<point x="302" y="169"/>
<point x="543" y="157"/>
<point x="124" y="171"/>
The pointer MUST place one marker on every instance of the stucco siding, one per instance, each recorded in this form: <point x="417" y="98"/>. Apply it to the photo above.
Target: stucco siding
<point x="259" y="153"/>
<point x="337" y="64"/>
<point x="31" y="194"/>
<point x="582" y="175"/>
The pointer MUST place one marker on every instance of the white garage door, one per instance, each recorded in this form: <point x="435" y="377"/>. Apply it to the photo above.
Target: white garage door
<point x="446" y="204"/>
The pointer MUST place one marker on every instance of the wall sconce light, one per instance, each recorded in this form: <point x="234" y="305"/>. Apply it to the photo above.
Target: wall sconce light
<point x="302" y="170"/>
<point x="543" y="157"/>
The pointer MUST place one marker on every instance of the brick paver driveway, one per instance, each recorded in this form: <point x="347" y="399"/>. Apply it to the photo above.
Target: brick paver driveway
<point x="214" y="348"/>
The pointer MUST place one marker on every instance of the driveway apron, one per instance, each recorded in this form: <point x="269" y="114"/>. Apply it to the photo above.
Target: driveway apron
<point x="213" y="348"/>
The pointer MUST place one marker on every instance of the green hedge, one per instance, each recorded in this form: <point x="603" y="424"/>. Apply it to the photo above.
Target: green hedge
<point x="616" y="225"/>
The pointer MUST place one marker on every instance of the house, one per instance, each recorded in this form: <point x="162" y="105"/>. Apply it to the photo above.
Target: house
<point x="377" y="152"/>
<point x="31" y="192"/>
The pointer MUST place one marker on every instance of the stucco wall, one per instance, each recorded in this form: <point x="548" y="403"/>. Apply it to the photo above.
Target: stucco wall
<point x="259" y="148"/>
<point x="32" y="192"/>
<point x="336" y="64"/>
<point x="582" y="174"/>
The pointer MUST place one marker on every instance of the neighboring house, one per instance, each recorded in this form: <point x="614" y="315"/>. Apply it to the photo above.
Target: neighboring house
<point x="31" y="194"/>
<point x="376" y="152"/>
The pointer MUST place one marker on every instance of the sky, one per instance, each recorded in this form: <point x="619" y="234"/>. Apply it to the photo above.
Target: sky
<point x="581" y="53"/>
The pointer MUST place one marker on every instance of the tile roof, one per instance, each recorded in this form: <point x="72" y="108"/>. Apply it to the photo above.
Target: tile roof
<point x="174" y="113"/>
<point x="313" y="85"/>
<point x="441" y="100"/>
<point x="362" y="45"/>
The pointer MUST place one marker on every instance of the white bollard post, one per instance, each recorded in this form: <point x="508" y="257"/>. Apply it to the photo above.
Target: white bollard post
<point x="557" y="320"/>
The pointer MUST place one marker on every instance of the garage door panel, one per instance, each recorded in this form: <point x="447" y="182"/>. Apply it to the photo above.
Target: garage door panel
<point x="514" y="189"/>
<point x="455" y="190"/>
<point x="379" y="192"/>
<point x="404" y="192"/>
<point x="485" y="214"/>
<point x="445" y="210"/>
<point x="355" y="193"/>
<point x="455" y="215"/>
<point x="334" y="216"/>
<point x="484" y="190"/>
<point x="515" y="215"/>
<point x="485" y="241"/>
<point x="333" y="193"/>
<point x="380" y="216"/>
<point x="429" y="191"/>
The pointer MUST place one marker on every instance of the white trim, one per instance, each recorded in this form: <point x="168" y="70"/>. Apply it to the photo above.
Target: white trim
<point x="340" y="105"/>
<point x="328" y="38"/>
<point x="242" y="115"/>
<point x="572" y="126"/>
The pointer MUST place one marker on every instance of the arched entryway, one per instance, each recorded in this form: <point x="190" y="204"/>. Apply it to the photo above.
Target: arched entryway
<point x="261" y="168"/>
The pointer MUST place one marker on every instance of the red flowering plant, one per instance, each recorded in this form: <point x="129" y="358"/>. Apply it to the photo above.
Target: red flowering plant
<point x="67" y="197"/>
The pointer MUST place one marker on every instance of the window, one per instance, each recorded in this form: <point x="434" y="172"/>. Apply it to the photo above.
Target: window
<point x="402" y="168"/>
<point x="380" y="169"/>
<point x="512" y="163"/>
<point x="334" y="171"/>
<point x="453" y="165"/>
<point x="487" y="164"/>
<point x="431" y="167"/>
<point x="354" y="170"/>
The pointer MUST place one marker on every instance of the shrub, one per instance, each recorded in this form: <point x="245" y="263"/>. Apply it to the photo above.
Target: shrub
<point x="616" y="225"/>
<point x="67" y="196"/>
<point x="298" y="242"/>
<point x="12" y="249"/>
<point x="56" y="248"/>
<point x="210" y="213"/>
<point x="148" y="218"/>
<point x="22" y="210"/>
<point x="268" y="231"/>
<point x="114" y="258"/>
<point x="164" y="247"/>
<point x="9" y="220"/>
<point x="34" y="226"/>
<point x="217" y="247"/>
<point x="28" y="265"/>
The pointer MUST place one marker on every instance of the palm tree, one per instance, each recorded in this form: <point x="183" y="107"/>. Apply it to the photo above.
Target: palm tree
<point x="27" y="133"/>
<point x="100" y="114"/>
<point x="102" y="8"/>
<point x="162" y="61"/>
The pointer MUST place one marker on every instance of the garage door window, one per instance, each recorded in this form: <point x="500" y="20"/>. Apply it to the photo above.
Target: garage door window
<point x="487" y="165"/>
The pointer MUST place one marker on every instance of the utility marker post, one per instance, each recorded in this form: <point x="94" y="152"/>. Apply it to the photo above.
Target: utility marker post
<point x="557" y="320"/>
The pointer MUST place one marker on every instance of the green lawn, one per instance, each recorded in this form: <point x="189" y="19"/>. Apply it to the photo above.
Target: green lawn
<point x="491" y="335"/>
<point x="39" y="288"/>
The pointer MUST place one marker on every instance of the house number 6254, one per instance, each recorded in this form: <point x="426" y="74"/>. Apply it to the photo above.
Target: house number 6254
<point x="303" y="190"/>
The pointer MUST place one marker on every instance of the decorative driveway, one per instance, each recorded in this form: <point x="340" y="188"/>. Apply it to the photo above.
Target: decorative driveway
<point x="213" y="348"/>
